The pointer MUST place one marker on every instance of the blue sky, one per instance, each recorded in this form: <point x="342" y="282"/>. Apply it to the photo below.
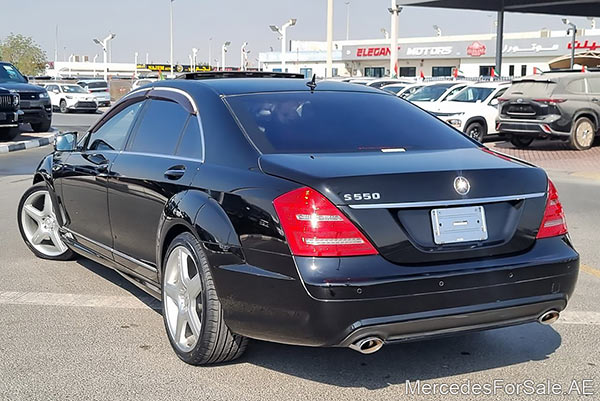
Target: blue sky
<point x="143" y="25"/>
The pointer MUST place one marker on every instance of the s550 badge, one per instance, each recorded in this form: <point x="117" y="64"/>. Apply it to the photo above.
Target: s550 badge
<point x="362" y="196"/>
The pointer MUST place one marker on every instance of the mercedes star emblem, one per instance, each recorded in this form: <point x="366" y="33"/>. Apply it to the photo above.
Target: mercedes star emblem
<point x="461" y="185"/>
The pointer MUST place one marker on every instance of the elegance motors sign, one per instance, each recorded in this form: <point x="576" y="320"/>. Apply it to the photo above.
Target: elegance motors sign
<point x="429" y="51"/>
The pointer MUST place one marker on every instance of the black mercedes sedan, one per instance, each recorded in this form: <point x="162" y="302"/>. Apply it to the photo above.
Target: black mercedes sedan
<point x="260" y="205"/>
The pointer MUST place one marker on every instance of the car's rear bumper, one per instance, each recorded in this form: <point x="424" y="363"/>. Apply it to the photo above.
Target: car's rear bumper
<point x="327" y="303"/>
<point x="552" y="126"/>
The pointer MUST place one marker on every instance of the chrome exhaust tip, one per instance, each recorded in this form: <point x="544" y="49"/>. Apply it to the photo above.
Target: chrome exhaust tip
<point x="367" y="345"/>
<point x="549" y="317"/>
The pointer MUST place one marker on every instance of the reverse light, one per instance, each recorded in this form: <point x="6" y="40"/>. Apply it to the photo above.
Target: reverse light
<point x="314" y="226"/>
<point x="554" y="222"/>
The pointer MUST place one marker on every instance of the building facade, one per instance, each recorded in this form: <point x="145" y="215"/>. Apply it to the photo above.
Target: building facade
<point x="473" y="55"/>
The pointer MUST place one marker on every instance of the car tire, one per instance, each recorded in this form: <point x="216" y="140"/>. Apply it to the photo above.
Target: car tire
<point x="476" y="131"/>
<point x="583" y="133"/>
<point x="192" y="313"/>
<point x="8" y="134"/>
<point x="38" y="226"/>
<point x="521" y="141"/>
<point x="63" y="106"/>
<point x="44" y="126"/>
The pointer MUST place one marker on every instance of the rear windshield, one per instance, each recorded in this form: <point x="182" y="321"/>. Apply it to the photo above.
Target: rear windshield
<point x="533" y="89"/>
<point x="332" y="122"/>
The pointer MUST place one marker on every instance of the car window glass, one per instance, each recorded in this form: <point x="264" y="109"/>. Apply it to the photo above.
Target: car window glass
<point x="594" y="85"/>
<point x="113" y="133"/>
<point x="160" y="127"/>
<point x="453" y="92"/>
<point x="191" y="141"/>
<point x="576" y="86"/>
<point x="499" y="93"/>
<point x="301" y="122"/>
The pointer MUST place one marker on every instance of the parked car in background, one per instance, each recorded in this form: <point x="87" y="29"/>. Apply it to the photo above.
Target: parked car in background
<point x="361" y="81"/>
<point x="9" y="114"/>
<point x="34" y="101"/>
<point x="380" y="82"/>
<point x="327" y="215"/>
<point x="71" y="97"/>
<point x="141" y="82"/>
<point x="410" y="90"/>
<point x="552" y="105"/>
<point x="98" y="88"/>
<point x="394" y="88"/>
<point x="474" y="109"/>
<point x="432" y="93"/>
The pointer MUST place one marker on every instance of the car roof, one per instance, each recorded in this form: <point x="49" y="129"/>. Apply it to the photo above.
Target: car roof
<point x="238" y="86"/>
<point x="490" y="84"/>
<point x="91" y="80"/>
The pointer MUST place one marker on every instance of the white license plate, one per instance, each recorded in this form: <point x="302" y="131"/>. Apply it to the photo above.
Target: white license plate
<point x="459" y="224"/>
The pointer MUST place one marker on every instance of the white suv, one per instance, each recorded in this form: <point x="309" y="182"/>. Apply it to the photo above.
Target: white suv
<point x="474" y="109"/>
<point x="71" y="97"/>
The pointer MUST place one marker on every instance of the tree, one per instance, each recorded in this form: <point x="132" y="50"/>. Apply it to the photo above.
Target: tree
<point x="24" y="53"/>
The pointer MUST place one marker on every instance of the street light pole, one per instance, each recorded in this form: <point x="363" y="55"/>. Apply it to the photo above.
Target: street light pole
<point x="171" y="31"/>
<point x="347" y="20"/>
<point x="394" y="10"/>
<point x="282" y="31"/>
<point x="95" y="57"/>
<point x="104" y="44"/>
<point x="329" y="68"/>
<point x="135" y="65"/>
<point x="194" y="57"/>
<point x="243" y="56"/>
<point x="223" y="51"/>
<point x="572" y="29"/>
<point x="209" y="52"/>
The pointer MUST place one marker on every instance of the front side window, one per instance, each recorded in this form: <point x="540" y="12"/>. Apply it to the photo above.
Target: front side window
<point x="113" y="133"/>
<point x="160" y="128"/>
<point x="333" y="122"/>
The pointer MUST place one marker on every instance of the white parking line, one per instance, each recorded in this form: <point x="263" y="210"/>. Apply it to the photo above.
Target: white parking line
<point x="145" y="302"/>
<point x="78" y="300"/>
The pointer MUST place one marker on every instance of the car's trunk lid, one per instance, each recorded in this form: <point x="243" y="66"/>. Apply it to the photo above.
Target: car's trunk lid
<point x="390" y="196"/>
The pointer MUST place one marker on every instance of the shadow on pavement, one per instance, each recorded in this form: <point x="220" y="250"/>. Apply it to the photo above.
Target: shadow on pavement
<point x="422" y="360"/>
<point x="394" y="364"/>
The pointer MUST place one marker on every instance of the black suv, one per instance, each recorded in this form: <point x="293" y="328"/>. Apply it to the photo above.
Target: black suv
<point x="9" y="114"/>
<point x="302" y="213"/>
<point x="35" y="105"/>
<point x="554" y="105"/>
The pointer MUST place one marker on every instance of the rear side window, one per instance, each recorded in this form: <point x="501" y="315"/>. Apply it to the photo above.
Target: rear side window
<point x="160" y="127"/>
<point x="330" y="122"/>
<point x="191" y="141"/>
<point x="531" y="89"/>
<point x="594" y="83"/>
<point x="576" y="86"/>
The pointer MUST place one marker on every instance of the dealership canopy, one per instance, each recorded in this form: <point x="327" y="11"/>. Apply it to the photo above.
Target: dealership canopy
<point x="582" y="8"/>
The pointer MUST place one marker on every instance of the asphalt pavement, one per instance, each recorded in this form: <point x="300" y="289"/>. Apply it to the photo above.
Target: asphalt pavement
<point x="78" y="331"/>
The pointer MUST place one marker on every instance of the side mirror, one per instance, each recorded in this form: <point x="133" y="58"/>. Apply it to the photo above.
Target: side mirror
<point x="26" y="78"/>
<point x="494" y="102"/>
<point x="55" y="91"/>
<point x="65" y="142"/>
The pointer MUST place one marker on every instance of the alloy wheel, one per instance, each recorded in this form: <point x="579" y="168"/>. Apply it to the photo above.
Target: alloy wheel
<point x="40" y="225"/>
<point x="182" y="295"/>
<point x="584" y="134"/>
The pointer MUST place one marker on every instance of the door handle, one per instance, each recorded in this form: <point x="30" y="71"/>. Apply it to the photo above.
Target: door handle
<point x="175" y="172"/>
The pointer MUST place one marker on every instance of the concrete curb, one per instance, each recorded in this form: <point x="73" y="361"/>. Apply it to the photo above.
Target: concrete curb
<point x="32" y="143"/>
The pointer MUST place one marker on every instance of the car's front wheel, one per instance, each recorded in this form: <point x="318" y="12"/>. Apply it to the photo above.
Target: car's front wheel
<point x="475" y="131"/>
<point x="583" y="133"/>
<point x="43" y="126"/>
<point x="62" y="106"/>
<point x="521" y="141"/>
<point x="192" y="313"/>
<point x="38" y="224"/>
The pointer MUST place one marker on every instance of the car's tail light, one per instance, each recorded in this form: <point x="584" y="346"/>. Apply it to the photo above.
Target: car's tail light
<point x="550" y="100"/>
<point x="554" y="222"/>
<point x="313" y="226"/>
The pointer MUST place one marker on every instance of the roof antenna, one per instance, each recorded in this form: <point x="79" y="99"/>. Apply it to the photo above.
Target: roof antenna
<point x="312" y="84"/>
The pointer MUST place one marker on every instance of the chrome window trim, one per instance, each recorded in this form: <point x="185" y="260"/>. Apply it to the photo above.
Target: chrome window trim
<point x="108" y="248"/>
<point x="452" y="202"/>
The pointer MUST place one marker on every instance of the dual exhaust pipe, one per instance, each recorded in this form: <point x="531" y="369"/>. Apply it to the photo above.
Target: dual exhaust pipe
<point x="370" y="345"/>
